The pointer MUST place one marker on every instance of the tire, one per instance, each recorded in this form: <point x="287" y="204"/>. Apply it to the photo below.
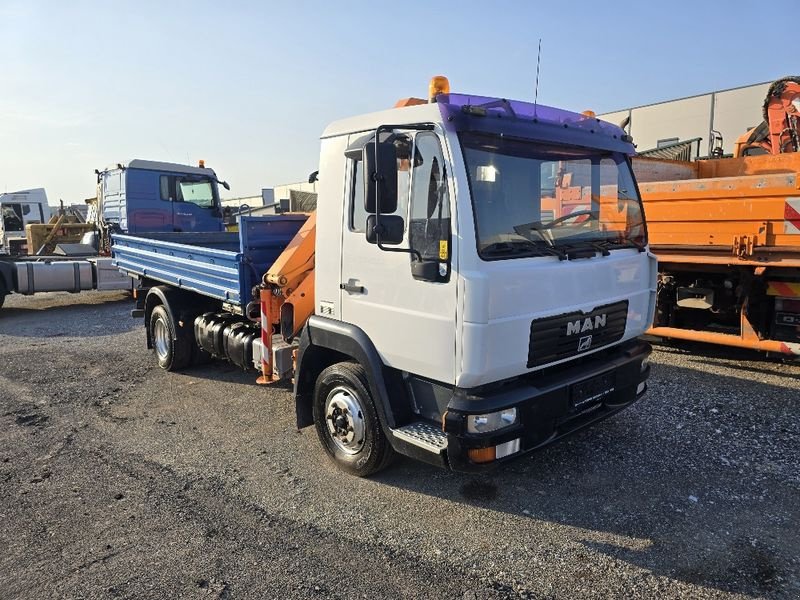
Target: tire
<point x="173" y="346"/>
<point x="347" y="421"/>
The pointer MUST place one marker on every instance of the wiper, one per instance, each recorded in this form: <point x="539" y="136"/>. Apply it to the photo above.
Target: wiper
<point x="522" y="248"/>
<point x="596" y="245"/>
<point x="534" y="226"/>
<point x="624" y="243"/>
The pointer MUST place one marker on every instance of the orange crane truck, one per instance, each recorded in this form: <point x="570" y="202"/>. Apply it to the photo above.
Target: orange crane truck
<point x="727" y="235"/>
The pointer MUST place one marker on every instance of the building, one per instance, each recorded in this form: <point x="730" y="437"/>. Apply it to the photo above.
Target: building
<point x="726" y="113"/>
<point x="267" y="198"/>
<point x="297" y="197"/>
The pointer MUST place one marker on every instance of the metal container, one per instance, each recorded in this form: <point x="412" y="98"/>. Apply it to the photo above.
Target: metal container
<point x="108" y="276"/>
<point x="53" y="276"/>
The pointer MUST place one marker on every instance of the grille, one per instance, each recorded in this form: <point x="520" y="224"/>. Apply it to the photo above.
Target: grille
<point x="561" y="336"/>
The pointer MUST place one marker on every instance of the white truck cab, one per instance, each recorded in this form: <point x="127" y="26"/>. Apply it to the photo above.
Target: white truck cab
<point x="20" y="209"/>
<point x="486" y="264"/>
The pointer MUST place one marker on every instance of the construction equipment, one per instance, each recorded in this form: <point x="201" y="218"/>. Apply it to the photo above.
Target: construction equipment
<point x="780" y="131"/>
<point x="438" y="303"/>
<point x="727" y="235"/>
<point x="65" y="227"/>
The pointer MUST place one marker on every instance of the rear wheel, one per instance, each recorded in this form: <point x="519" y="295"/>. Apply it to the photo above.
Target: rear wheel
<point x="172" y="344"/>
<point x="347" y="422"/>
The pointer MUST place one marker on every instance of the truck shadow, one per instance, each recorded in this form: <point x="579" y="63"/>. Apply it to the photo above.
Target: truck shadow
<point x="89" y="314"/>
<point x="704" y="491"/>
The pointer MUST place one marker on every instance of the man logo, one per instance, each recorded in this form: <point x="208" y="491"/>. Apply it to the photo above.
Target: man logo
<point x="586" y="324"/>
<point x="584" y="343"/>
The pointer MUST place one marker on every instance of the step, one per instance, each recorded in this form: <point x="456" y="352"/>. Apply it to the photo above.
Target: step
<point x="424" y="435"/>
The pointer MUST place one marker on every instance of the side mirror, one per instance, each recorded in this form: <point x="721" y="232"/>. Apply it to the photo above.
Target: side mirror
<point x="225" y="185"/>
<point x="385" y="173"/>
<point x="425" y="270"/>
<point x="389" y="227"/>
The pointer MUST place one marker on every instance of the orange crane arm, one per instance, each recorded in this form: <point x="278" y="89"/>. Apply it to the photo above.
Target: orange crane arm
<point x="287" y="291"/>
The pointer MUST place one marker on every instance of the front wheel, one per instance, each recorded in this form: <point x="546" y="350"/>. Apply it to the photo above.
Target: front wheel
<point x="172" y="345"/>
<point x="347" y="422"/>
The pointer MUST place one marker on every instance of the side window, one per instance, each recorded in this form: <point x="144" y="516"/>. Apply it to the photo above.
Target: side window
<point x="167" y="186"/>
<point x="430" y="204"/>
<point x="196" y="191"/>
<point x="358" y="216"/>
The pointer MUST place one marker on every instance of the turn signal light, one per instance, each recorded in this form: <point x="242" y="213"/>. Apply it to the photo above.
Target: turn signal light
<point x="438" y="85"/>
<point x="481" y="455"/>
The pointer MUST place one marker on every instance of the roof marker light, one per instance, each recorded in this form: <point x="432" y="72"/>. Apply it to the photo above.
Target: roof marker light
<point x="438" y="85"/>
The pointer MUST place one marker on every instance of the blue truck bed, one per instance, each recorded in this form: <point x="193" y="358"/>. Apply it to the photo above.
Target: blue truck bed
<point x="221" y="265"/>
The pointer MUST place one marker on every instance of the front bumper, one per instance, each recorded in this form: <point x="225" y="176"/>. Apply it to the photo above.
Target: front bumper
<point x="546" y="405"/>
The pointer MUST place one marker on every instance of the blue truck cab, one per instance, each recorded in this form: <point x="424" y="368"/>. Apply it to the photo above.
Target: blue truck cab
<point x="150" y="196"/>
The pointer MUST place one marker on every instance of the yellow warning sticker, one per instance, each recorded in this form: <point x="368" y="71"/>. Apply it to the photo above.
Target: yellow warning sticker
<point x="442" y="249"/>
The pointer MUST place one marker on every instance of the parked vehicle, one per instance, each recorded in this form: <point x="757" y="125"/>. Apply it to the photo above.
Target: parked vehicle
<point x="727" y="235"/>
<point x="19" y="209"/>
<point x="429" y="307"/>
<point x="144" y="195"/>
<point x="134" y="197"/>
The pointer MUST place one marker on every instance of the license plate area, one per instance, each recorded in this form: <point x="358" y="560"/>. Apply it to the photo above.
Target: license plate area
<point x="592" y="391"/>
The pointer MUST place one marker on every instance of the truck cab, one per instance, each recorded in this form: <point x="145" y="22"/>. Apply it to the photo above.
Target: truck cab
<point x="19" y="209"/>
<point x="150" y="196"/>
<point x="487" y="324"/>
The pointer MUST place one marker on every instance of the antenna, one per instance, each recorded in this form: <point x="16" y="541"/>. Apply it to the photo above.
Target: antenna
<point x="538" y="62"/>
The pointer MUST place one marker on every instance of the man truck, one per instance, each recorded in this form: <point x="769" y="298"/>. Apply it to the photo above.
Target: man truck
<point x="431" y="306"/>
<point x="136" y="196"/>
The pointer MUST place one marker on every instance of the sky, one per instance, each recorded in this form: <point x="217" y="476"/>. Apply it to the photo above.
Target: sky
<point x="249" y="86"/>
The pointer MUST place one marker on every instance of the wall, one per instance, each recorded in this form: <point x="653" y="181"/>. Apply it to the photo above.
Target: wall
<point x="731" y="112"/>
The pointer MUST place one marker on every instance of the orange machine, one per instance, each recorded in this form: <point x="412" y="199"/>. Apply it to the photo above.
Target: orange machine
<point x="780" y="130"/>
<point x="727" y="235"/>
<point x="287" y="294"/>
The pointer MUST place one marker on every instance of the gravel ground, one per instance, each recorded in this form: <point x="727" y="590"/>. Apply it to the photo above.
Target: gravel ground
<point x="119" y="480"/>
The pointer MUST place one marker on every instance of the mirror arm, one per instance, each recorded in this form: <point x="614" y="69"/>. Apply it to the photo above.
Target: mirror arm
<point x="412" y="251"/>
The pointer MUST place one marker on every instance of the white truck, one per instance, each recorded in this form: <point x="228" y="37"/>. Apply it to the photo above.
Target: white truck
<point x="19" y="209"/>
<point x="433" y="306"/>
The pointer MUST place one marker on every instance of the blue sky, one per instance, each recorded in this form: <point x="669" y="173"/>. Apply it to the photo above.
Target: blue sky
<point x="249" y="86"/>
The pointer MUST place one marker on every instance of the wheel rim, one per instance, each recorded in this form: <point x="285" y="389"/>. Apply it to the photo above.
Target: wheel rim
<point x="161" y="338"/>
<point x="345" y="420"/>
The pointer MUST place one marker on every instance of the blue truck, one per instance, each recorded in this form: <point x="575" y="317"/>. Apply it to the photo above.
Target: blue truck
<point x="196" y="290"/>
<point x="133" y="197"/>
<point x="149" y="196"/>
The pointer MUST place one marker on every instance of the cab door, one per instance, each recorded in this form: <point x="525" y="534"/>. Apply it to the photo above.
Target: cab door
<point x="410" y="320"/>
<point x="194" y="206"/>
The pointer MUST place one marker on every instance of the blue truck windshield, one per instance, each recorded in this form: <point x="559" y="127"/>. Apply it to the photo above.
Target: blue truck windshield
<point x="530" y="198"/>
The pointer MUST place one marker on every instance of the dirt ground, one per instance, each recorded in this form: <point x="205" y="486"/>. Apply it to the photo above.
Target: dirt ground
<point x="119" y="480"/>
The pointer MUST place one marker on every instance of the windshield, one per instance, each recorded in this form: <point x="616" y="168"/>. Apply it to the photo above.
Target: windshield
<point x="531" y="198"/>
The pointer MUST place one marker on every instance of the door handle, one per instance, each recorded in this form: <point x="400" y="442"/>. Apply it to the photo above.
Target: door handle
<point x="351" y="288"/>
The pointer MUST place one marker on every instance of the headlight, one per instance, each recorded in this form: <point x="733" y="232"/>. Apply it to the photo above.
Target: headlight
<point x="645" y="363"/>
<point x="491" y="421"/>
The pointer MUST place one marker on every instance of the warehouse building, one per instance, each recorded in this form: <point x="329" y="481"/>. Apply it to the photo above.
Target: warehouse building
<point x="701" y="120"/>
